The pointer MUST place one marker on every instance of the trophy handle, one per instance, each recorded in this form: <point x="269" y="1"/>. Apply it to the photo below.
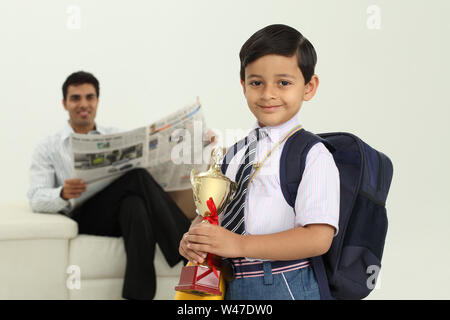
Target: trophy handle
<point x="194" y="182"/>
<point x="217" y="155"/>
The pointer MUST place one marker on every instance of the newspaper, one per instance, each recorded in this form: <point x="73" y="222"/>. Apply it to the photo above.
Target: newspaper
<point x="169" y="149"/>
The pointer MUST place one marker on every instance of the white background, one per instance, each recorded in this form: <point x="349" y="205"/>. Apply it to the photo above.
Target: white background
<point x="389" y="86"/>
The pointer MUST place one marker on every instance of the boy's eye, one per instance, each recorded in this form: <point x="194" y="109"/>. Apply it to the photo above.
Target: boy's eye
<point x="255" y="83"/>
<point x="284" y="83"/>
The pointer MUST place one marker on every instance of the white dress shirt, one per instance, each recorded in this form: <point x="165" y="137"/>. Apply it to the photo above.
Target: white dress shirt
<point x="266" y="211"/>
<point x="50" y="167"/>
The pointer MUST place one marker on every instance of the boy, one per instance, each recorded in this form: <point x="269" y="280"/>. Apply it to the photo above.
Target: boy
<point x="277" y="75"/>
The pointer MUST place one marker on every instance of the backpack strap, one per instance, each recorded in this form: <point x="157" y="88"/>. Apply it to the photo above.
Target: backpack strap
<point x="292" y="166"/>
<point x="293" y="159"/>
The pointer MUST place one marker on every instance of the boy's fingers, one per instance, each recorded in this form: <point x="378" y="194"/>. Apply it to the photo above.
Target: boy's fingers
<point x="183" y="253"/>
<point x="195" y="258"/>
<point x="199" y="247"/>
<point x="191" y="255"/>
<point x="201" y="229"/>
<point x="197" y="239"/>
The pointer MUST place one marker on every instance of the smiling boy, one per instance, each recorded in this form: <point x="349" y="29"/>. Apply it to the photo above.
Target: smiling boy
<point x="277" y="75"/>
<point x="274" y="86"/>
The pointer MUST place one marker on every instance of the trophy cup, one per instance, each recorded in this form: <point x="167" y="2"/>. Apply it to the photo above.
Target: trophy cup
<point x="212" y="192"/>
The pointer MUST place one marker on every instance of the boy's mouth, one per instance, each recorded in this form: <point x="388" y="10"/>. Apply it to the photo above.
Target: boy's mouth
<point x="270" y="107"/>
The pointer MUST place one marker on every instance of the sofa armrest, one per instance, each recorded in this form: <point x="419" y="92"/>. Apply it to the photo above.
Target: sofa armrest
<point x="18" y="222"/>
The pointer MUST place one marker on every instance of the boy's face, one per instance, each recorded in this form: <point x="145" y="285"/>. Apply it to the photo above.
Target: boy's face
<point x="275" y="88"/>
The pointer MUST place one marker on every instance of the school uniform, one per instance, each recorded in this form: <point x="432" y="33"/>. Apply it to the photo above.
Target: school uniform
<point x="265" y="211"/>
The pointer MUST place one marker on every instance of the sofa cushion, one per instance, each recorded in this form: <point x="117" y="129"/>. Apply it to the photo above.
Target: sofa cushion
<point x="17" y="221"/>
<point x="104" y="257"/>
<point x="98" y="289"/>
<point x="98" y="256"/>
<point x="33" y="269"/>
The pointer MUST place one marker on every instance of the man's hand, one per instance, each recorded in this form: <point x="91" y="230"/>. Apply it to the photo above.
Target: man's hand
<point x="73" y="188"/>
<point x="210" y="136"/>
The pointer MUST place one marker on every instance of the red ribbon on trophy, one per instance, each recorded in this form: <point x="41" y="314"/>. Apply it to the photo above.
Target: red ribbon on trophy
<point x="213" y="218"/>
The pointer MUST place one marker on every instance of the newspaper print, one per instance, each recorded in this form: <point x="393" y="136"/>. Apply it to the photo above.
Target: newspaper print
<point x="169" y="149"/>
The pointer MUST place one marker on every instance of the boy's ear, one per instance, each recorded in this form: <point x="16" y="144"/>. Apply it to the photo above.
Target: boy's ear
<point x="311" y="88"/>
<point x="64" y="103"/>
<point x="243" y="85"/>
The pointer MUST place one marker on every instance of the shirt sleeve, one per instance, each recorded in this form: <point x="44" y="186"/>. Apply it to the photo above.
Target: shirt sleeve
<point x="44" y="194"/>
<point x="318" y="194"/>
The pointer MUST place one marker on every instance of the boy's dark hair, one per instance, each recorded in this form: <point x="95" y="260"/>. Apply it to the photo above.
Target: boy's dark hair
<point x="282" y="40"/>
<point x="78" y="78"/>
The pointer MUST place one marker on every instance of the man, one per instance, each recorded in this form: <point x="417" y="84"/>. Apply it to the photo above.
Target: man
<point x="133" y="206"/>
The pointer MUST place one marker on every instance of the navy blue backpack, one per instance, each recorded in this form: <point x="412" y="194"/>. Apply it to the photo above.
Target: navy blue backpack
<point x="347" y="270"/>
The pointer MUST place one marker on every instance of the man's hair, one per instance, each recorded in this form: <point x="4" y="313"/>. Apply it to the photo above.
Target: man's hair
<point x="282" y="40"/>
<point x="78" y="78"/>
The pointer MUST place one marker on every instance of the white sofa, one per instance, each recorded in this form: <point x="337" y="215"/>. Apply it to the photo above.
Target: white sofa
<point x="42" y="256"/>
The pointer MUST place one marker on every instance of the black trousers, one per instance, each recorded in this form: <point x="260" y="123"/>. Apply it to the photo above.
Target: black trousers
<point x="137" y="208"/>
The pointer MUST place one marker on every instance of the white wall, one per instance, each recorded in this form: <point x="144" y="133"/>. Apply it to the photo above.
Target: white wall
<point x="388" y="85"/>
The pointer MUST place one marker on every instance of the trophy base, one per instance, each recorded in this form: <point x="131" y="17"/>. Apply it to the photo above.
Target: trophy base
<point x="199" y="280"/>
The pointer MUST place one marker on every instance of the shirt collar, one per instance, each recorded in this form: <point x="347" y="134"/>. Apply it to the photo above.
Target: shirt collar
<point x="67" y="130"/>
<point x="276" y="133"/>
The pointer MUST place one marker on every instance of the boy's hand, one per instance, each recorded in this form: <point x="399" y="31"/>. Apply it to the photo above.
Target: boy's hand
<point x="206" y="237"/>
<point x="73" y="188"/>
<point x="191" y="255"/>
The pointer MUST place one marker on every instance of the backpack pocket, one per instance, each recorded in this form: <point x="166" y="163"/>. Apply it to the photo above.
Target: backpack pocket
<point x="362" y="249"/>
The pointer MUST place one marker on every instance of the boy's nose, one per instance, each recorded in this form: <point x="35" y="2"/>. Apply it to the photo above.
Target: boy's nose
<point x="269" y="92"/>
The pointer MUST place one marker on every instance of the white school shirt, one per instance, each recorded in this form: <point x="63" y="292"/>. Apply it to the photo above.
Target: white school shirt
<point x="266" y="211"/>
<point x="50" y="167"/>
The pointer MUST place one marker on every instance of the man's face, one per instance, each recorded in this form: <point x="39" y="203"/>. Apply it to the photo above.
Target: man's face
<point x="81" y="103"/>
<point x="274" y="88"/>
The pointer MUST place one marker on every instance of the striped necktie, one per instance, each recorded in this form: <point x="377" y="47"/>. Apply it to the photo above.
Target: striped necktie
<point x="233" y="218"/>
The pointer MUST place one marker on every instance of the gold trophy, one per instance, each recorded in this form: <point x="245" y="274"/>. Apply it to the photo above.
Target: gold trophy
<point x="212" y="192"/>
